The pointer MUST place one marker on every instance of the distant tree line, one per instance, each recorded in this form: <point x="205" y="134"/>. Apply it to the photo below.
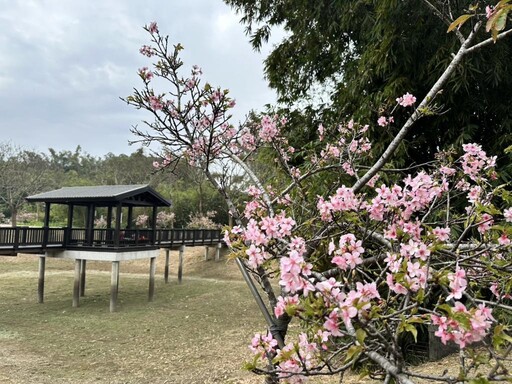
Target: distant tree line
<point x="26" y="172"/>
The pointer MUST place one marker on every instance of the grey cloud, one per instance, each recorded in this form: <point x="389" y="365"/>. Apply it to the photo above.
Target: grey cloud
<point x="64" y="65"/>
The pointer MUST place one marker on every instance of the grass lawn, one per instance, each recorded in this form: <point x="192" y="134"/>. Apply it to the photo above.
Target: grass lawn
<point x="196" y="332"/>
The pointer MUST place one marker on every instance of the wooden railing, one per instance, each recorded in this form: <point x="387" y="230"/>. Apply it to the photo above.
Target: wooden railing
<point x="25" y="237"/>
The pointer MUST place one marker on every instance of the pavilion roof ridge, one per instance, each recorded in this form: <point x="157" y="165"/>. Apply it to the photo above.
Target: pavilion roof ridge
<point x="99" y="193"/>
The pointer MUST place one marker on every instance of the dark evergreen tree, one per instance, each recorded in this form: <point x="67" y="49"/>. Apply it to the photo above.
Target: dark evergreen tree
<point x="352" y="58"/>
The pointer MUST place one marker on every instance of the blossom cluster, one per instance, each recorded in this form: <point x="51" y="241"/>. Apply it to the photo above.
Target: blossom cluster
<point x="408" y="268"/>
<point x="464" y="326"/>
<point x="345" y="261"/>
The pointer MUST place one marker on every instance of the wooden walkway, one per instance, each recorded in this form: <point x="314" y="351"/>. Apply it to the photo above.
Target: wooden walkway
<point x="39" y="240"/>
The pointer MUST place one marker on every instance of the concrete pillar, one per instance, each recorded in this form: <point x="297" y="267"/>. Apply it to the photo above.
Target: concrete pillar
<point x="166" y="269"/>
<point x="180" y="263"/>
<point x="76" y="285"/>
<point x="40" y="285"/>
<point x="114" y="285"/>
<point x="82" y="278"/>
<point x="152" y="269"/>
<point x="206" y="253"/>
<point x="217" y="252"/>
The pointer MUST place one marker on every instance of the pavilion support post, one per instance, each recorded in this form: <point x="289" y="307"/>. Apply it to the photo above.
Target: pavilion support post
<point x="180" y="263"/>
<point x="153" y="225"/>
<point x="130" y="217"/>
<point x="76" y="286"/>
<point x="46" y="224"/>
<point x="109" y="217"/>
<point x="109" y="236"/>
<point x="68" y="235"/>
<point x="152" y="269"/>
<point x="217" y="252"/>
<point x="89" y="226"/>
<point x="117" y="233"/>
<point x="82" y="277"/>
<point x="40" y="285"/>
<point x="114" y="285"/>
<point x="206" y="249"/>
<point x="166" y="269"/>
<point x="47" y="207"/>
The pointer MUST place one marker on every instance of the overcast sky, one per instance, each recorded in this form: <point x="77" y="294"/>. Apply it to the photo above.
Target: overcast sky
<point x="64" y="65"/>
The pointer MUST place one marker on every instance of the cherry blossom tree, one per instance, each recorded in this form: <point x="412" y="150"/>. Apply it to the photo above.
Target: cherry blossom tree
<point x="364" y="254"/>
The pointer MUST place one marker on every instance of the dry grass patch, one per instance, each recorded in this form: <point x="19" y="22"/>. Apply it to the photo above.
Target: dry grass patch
<point x="196" y="332"/>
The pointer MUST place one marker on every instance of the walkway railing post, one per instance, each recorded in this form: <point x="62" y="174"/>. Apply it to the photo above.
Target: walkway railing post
<point x="24" y="235"/>
<point x="16" y="238"/>
<point x="66" y="236"/>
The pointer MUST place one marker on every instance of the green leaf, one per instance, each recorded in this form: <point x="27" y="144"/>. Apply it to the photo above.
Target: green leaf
<point x="353" y="353"/>
<point x="501" y="20"/>
<point x="497" y="22"/>
<point x="412" y="330"/>
<point x="499" y="330"/>
<point x="360" y="336"/>
<point x="446" y="308"/>
<point x="459" y="22"/>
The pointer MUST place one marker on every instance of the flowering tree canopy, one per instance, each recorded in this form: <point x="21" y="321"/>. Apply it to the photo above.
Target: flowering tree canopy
<point x="364" y="254"/>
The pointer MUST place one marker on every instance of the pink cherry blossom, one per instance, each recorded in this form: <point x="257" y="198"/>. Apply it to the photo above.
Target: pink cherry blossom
<point x="398" y="288"/>
<point x="368" y="291"/>
<point x="442" y="234"/>
<point x="447" y="171"/>
<point x="153" y="27"/>
<point x="489" y="11"/>
<point x="406" y="100"/>
<point x="458" y="283"/>
<point x="155" y="103"/>
<point x="480" y="320"/>
<point x="394" y="262"/>
<point x="269" y="129"/>
<point x="256" y="256"/>
<point x="503" y="239"/>
<point x="147" y="51"/>
<point x="283" y="303"/>
<point x="507" y="213"/>
<point x="486" y="223"/>
<point x="321" y="132"/>
<point x="382" y="121"/>
<point x="263" y="344"/>
<point x="348" y="254"/>
<point x="145" y="74"/>
<point x="331" y="324"/>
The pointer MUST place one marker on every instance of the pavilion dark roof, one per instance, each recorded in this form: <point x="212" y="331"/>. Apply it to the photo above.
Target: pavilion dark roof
<point x="136" y="194"/>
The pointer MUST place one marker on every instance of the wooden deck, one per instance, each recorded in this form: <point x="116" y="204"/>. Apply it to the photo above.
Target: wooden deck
<point x="39" y="240"/>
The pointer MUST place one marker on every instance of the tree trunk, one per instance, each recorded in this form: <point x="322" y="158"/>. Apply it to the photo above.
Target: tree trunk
<point x="200" y="199"/>
<point x="14" y="213"/>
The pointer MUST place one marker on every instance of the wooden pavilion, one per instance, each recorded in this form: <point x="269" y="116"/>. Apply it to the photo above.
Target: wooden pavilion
<point x="116" y="241"/>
